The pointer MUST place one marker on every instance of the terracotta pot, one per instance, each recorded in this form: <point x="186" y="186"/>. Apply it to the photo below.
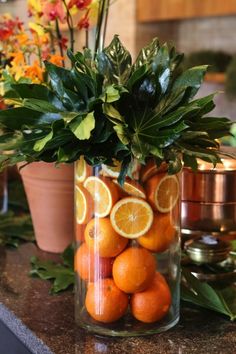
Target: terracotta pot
<point x="50" y="191"/>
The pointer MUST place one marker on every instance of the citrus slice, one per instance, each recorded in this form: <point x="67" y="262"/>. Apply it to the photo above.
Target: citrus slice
<point x="131" y="217"/>
<point x="111" y="171"/>
<point x="150" y="169"/>
<point x="132" y="188"/>
<point x="163" y="192"/>
<point x="104" y="192"/>
<point x="82" y="170"/>
<point x="83" y="204"/>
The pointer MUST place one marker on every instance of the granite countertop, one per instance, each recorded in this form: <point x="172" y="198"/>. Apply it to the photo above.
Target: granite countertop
<point x="51" y="318"/>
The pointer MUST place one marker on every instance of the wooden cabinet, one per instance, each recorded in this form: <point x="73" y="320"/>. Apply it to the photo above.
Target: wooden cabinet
<point x="159" y="10"/>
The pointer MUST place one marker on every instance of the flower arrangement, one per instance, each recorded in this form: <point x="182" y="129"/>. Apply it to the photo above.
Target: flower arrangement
<point x="24" y="49"/>
<point x="107" y="108"/>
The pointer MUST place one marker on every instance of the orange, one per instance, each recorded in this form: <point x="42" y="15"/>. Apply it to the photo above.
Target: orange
<point x="82" y="170"/>
<point x="90" y="266"/>
<point x="150" y="169"/>
<point x="131" y="217"/>
<point x="152" y="304"/>
<point x="104" y="192"/>
<point x="161" y="234"/>
<point x="84" y="205"/>
<point x="132" y="188"/>
<point x="105" y="302"/>
<point x="134" y="269"/>
<point x="163" y="192"/>
<point x="79" y="232"/>
<point x="102" y="238"/>
<point x="111" y="171"/>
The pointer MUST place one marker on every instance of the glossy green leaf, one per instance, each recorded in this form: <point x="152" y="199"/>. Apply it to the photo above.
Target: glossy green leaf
<point x="207" y="296"/>
<point x="83" y="126"/>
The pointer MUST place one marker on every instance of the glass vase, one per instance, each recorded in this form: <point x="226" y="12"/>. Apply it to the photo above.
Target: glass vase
<point x="127" y="258"/>
<point x="3" y="192"/>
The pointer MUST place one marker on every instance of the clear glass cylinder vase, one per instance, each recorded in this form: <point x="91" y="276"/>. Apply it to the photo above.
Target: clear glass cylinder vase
<point x="127" y="258"/>
<point x="3" y="192"/>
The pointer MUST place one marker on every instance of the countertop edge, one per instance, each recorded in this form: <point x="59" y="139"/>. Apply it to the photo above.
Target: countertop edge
<point x="25" y="335"/>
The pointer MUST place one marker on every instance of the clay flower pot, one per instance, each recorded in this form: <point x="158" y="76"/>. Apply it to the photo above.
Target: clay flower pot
<point x="50" y="191"/>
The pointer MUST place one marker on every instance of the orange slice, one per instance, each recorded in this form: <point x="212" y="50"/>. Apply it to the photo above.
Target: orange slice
<point x="163" y="192"/>
<point x="150" y="169"/>
<point x="83" y="204"/>
<point x="104" y="192"/>
<point x="132" y="188"/>
<point x="111" y="171"/>
<point x="131" y="217"/>
<point x="82" y="170"/>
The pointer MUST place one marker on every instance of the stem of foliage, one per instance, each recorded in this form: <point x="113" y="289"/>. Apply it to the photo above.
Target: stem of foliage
<point x="86" y="38"/>
<point x="52" y="42"/>
<point x="105" y="22"/>
<point x="59" y="37"/>
<point x="70" y="24"/>
<point x="101" y="13"/>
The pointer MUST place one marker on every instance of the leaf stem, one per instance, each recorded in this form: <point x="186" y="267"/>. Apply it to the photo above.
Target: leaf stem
<point x="59" y="37"/>
<point x="70" y="24"/>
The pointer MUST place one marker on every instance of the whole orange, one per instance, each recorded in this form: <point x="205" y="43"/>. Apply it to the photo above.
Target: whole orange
<point x="90" y="266"/>
<point x="152" y="304"/>
<point x="161" y="234"/>
<point x="105" y="302"/>
<point x="79" y="232"/>
<point x="134" y="269"/>
<point x="102" y="238"/>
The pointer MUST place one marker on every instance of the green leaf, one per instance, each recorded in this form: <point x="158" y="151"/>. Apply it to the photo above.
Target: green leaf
<point x="36" y="105"/>
<point x="15" y="229"/>
<point x="16" y="118"/>
<point x="111" y="94"/>
<point x="146" y="54"/>
<point x="137" y="75"/>
<point x="190" y="79"/>
<point x="114" y="62"/>
<point x="205" y="295"/>
<point x="61" y="274"/>
<point x="83" y="126"/>
<point x="40" y="92"/>
<point x="40" y="144"/>
<point x="111" y="112"/>
<point x="121" y="132"/>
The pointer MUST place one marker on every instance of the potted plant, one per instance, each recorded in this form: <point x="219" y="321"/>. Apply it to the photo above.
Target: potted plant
<point x="130" y="127"/>
<point x="23" y="53"/>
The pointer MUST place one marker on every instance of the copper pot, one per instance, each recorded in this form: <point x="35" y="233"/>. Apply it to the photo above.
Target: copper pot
<point x="209" y="196"/>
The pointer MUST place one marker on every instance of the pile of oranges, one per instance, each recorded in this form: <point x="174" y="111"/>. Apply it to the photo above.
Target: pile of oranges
<point x="119" y="230"/>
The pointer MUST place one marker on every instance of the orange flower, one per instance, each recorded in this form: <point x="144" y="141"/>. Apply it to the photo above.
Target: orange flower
<point x="18" y="58"/>
<point x="22" y="39"/>
<point x="56" y="59"/>
<point x="34" y="72"/>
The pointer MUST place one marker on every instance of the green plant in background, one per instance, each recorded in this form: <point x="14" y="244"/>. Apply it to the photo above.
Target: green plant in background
<point x="108" y="107"/>
<point x="230" y="85"/>
<point x="218" y="61"/>
<point x="16" y="225"/>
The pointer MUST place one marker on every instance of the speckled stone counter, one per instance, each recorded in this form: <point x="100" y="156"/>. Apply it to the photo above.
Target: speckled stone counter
<point x="51" y="318"/>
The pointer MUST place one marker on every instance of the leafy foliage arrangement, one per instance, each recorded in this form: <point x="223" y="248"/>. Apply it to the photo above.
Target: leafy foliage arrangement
<point x="106" y="107"/>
